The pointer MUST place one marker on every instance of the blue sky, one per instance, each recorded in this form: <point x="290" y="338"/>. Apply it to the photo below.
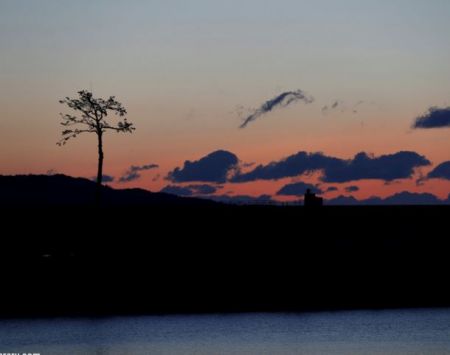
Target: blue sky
<point x="183" y="67"/>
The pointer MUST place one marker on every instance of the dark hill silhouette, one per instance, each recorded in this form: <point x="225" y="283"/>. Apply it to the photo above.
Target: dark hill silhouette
<point x="53" y="190"/>
<point x="157" y="253"/>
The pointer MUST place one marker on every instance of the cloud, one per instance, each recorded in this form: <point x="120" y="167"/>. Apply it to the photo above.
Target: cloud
<point x="359" y="103"/>
<point x="51" y="172"/>
<point x="204" y="189"/>
<point x="401" y="198"/>
<point x="190" y="190"/>
<point x="389" y="167"/>
<point x="129" y="176"/>
<point x="247" y="165"/>
<point x="144" y="167"/>
<point x="326" y="109"/>
<point x="442" y="171"/>
<point x="133" y="172"/>
<point x="294" y="165"/>
<point x="331" y="189"/>
<point x="298" y="189"/>
<point x="244" y="199"/>
<point x="343" y="201"/>
<point x="105" y="178"/>
<point x="280" y="101"/>
<point x="215" y="167"/>
<point x="177" y="190"/>
<point x="342" y="107"/>
<point x="435" y="118"/>
<point x="352" y="188"/>
<point x="411" y="198"/>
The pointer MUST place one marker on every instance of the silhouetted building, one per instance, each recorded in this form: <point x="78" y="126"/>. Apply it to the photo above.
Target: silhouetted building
<point x="312" y="200"/>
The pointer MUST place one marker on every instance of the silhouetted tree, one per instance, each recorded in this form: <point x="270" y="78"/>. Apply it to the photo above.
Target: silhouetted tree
<point x="91" y="118"/>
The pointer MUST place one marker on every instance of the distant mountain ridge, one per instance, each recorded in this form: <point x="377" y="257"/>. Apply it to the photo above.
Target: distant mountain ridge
<point x="59" y="189"/>
<point x="400" y="198"/>
<point x="54" y="190"/>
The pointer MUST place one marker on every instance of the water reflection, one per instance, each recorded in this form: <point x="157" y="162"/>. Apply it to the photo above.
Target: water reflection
<point x="362" y="332"/>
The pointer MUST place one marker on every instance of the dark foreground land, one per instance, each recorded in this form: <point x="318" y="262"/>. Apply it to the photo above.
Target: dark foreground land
<point x="216" y="258"/>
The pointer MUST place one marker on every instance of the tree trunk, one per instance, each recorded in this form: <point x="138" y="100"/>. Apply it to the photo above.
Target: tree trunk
<point x="100" y="166"/>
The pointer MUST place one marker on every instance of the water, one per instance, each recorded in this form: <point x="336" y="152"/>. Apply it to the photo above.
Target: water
<point x="355" y="332"/>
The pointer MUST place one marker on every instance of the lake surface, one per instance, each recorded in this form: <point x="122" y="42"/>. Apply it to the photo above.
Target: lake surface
<point x="420" y="331"/>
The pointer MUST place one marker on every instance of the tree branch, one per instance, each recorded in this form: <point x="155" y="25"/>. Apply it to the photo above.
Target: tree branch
<point x="93" y="113"/>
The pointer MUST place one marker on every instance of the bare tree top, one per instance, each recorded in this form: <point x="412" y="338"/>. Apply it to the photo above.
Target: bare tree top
<point x="92" y="114"/>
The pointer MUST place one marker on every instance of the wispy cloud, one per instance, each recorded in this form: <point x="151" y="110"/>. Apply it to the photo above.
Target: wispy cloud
<point x="105" y="178"/>
<point x="244" y="199"/>
<point x="401" y="198"/>
<point x="133" y="172"/>
<point x="342" y="107"/>
<point x="328" y="108"/>
<point x="352" y="188"/>
<point x="51" y="172"/>
<point x="298" y="189"/>
<point x="283" y="100"/>
<point x="191" y="190"/>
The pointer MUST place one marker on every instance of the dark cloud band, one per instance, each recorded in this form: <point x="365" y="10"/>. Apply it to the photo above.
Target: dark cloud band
<point x="214" y="167"/>
<point x="401" y="198"/>
<point x="435" y="118"/>
<point x="442" y="171"/>
<point x="389" y="167"/>
<point x="191" y="190"/>
<point x="298" y="189"/>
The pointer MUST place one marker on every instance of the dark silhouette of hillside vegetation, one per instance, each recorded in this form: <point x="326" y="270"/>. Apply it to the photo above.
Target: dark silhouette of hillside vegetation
<point x="54" y="190"/>
<point x="153" y="253"/>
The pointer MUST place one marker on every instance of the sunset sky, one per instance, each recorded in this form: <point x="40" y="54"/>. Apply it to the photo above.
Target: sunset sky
<point x="190" y="72"/>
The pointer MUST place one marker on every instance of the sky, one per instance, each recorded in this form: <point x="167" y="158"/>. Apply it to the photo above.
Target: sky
<point x="190" y="73"/>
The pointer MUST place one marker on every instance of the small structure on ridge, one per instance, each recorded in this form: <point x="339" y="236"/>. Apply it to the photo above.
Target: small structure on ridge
<point x="312" y="200"/>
